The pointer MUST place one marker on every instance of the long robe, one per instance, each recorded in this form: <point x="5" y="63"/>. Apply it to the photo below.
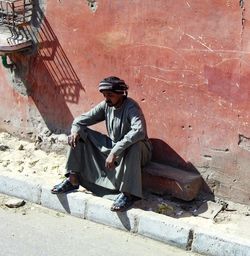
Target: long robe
<point x="127" y="139"/>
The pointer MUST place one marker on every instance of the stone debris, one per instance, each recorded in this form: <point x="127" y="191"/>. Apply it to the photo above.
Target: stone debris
<point x="19" y="156"/>
<point x="63" y="138"/>
<point x="3" y="147"/>
<point x="15" y="203"/>
<point x="21" y="147"/>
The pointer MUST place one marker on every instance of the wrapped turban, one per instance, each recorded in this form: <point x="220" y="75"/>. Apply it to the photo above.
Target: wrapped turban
<point x="114" y="84"/>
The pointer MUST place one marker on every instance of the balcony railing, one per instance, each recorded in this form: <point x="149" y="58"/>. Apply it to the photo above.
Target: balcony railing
<point x="14" y="16"/>
<point x="15" y="13"/>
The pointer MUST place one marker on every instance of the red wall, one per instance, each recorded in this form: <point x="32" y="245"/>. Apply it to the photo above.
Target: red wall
<point x="186" y="62"/>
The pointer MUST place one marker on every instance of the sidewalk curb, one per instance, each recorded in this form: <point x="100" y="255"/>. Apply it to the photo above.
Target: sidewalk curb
<point x="217" y="243"/>
<point x="98" y="210"/>
<point x="159" y="227"/>
<point x="73" y="203"/>
<point x="165" y="229"/>
<point x="21" y="187"/>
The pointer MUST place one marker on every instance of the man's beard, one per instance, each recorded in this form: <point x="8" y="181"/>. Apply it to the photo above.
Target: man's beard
<point x="109" y="102"/>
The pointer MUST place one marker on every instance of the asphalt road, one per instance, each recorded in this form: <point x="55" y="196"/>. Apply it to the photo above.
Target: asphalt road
<point x="35" y="231"/>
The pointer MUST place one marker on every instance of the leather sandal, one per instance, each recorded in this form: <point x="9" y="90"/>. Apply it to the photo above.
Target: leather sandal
<point x="64" y="187"/>
<point x="123" y="202"/>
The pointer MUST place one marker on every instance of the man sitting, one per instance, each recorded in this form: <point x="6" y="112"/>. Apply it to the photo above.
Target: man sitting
<point x="114" y="161"/>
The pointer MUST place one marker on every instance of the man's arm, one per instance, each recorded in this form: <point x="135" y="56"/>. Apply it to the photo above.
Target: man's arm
<point x="95" y="115"/>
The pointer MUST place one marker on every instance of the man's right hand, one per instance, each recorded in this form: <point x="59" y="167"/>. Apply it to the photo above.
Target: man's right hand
<point x="73" y="139"/>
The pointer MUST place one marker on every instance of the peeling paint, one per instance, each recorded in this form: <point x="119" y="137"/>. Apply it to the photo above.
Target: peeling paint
<point x="244" y="142"/>
<point x="242" y="18"/>
<point x="16" y="80"/>
<point x="92" y="5"/>
<point x="241" y="3"/>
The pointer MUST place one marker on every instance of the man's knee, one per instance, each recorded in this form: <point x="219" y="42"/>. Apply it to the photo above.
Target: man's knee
<point x="140" y="151"/>
<point x="137" y="147"/>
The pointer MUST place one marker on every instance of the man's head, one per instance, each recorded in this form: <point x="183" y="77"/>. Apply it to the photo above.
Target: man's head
<point x="114" y="90"/>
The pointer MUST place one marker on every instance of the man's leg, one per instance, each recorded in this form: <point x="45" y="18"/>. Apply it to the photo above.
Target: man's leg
<point x="73" y="178"/>
<point x="73" y="166"/>
<point x="135" y="157"/>
<point x="86" y="162"/>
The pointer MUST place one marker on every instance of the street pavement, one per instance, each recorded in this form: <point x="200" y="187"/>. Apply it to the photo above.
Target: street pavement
<point x="33" y="230"/>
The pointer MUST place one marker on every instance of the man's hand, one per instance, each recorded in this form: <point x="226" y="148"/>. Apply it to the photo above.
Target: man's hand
<point x="73" y="139"/>
<point x="110" y="161"/>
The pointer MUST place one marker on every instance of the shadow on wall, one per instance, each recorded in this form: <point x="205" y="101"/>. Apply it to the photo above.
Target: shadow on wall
<point x="50" y="79"/>
<point x="164" y="154"/>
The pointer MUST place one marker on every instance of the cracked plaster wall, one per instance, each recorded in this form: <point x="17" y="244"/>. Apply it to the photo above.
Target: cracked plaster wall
<point x="186" y="62"/>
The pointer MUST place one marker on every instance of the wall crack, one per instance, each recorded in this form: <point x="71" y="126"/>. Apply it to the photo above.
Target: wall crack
<point x="242" y="3"/>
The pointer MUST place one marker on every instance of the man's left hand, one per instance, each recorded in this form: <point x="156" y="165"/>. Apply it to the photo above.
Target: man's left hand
<point x="110" y="161"/>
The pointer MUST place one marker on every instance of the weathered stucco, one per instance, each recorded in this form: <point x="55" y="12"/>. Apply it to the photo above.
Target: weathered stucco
<point x="186" y="62"/>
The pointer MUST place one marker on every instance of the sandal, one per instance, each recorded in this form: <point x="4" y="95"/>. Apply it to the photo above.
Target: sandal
<point x="122" y="203"/>
<point x="64" y="187"/>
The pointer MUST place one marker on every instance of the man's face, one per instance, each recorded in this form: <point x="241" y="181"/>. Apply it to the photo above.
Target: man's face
<point x="113" y="99"/>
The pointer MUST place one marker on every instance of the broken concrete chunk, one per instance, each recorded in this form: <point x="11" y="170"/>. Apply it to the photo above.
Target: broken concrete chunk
<point x="46" y="132"/>
<point x="244" y="142"/>
<point x="3" y="147"/>
<point x="15" y="203"/>
<point x="21" y="147"/>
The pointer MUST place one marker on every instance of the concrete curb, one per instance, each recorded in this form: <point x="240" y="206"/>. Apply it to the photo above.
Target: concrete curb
<point x="217" y="243"/>
<point x="165" y="229"/>
<point x="98" y="210"/>
<point x="72" y="203"/>
<point x="159" y="227"/>
<point x="21" y="187"/>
